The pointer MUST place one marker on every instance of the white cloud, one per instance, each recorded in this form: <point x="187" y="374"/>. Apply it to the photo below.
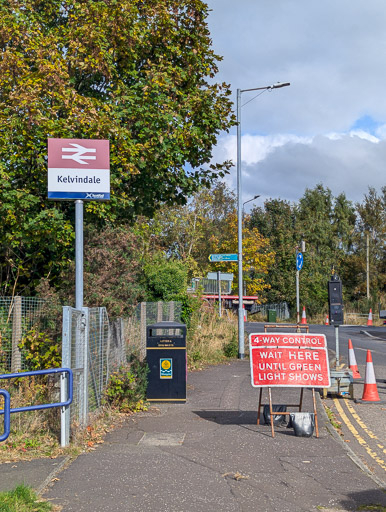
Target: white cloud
<point x="284" y="166"/>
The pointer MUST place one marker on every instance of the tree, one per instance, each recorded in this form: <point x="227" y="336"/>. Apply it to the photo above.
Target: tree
<point x="165" y="279"/>
<point x="327" y="225"/>
<point x="189" y="232"/>
<point x="137" y="73"/>
<point x="257" y="256"/>
<point x="276" y="222"/>
<point x="113" y="271"/>
<point x="372" y="227"/>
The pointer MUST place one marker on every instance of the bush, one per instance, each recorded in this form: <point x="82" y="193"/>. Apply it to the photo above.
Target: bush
<point x="41" y="352"/>
<point x="126" y="390"/>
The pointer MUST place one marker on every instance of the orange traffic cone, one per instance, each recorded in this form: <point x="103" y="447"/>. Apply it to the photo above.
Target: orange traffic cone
<point x="304" y="319"/>
<point x="327" y="322"/>
<point x="245" y="313"/>
<point x="370" y="391"/>
<point x="352" y="362"/>
<point x="370" y="319"/>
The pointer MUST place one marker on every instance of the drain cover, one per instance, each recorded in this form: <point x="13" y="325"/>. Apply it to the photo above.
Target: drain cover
<point x="162" y="439"/>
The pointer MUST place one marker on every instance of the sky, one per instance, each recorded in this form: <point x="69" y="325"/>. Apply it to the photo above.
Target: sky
<point x="329" y="125"/>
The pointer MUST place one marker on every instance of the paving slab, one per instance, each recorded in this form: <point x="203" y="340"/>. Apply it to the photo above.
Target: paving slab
<point x="33" y="473"/>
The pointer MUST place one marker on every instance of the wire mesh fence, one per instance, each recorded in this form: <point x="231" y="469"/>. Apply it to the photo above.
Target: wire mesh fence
<point x="93" y="347"/>
<point x="282" y="309"/>
<point x="19" y="317"/>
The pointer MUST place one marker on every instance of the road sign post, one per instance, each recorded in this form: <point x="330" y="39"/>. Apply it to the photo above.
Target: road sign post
<point x="219" y="292"/>
<point x="299" y="265"/>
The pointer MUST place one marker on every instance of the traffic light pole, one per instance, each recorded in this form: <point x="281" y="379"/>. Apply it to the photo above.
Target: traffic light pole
<point x="337" y="346"/>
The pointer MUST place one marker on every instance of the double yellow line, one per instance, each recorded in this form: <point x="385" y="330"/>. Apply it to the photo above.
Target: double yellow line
<point x="374" y="455"/>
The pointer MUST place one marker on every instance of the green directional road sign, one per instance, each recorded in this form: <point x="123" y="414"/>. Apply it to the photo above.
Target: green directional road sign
<point x="223" y="257"/>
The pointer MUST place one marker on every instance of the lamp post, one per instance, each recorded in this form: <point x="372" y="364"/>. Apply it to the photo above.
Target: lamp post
<point x="249" y="200"/>
<point x="240" y="211"/>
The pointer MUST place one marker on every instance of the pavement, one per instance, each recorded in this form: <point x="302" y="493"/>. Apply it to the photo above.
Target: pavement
<point x="210" y="455"/>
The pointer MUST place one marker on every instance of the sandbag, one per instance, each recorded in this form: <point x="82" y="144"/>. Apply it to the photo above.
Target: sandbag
<point x="303" y="423"/>
<point x="278" y="419"/>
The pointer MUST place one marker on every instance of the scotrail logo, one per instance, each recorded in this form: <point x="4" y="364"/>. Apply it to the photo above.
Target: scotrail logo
<point x="90" y="195"/>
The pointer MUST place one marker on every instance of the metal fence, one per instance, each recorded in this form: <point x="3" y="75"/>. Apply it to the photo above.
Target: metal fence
<point x="18" y="316"/>
<point x="93" y="347"/>
<point x="282" y="309"/>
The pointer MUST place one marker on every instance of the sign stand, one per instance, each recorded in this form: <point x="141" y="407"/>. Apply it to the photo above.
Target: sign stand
<point x="299" y="406"/>
<point x="78" y="254"/>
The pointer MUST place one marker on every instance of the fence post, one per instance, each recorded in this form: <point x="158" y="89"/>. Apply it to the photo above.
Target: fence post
<point x="142" y="348"/>
<point x="85" y="334"/>
<point x="171" y="311"/>
<point x="66" y="363"/>
<point x="159" y="311"/>
<point x="16" y="335"/>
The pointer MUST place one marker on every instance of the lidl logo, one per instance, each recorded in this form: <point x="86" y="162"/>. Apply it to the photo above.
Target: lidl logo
<point x="166" y="369"/>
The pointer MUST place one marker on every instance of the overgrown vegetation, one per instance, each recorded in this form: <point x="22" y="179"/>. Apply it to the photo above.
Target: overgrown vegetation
<point x="126" y="390"/>
<point x="211" y="339"/>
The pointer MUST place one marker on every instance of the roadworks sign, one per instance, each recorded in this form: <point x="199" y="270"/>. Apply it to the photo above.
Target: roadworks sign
<point x="289" y="360"/>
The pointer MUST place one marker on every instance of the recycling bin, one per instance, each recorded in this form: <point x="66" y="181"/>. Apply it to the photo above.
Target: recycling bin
<point x="166" y="359"/>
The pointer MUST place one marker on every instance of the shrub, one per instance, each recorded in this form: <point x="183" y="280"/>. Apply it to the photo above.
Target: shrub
<point x="126" y="389"/>
<point x="41" y="352"/>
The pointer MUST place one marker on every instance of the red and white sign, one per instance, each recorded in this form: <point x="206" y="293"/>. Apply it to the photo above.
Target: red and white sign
<point x="288" y="340"/>
<point x="78" y="169"/>
<point x="289" y="360"/>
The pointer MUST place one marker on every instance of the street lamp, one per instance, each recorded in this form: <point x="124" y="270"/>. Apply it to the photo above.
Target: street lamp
<point x="249" y="200"/>
<point x="240" y="210"/>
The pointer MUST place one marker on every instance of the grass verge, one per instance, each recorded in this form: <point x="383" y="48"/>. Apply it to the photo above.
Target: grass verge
<point x="23" y="499"/>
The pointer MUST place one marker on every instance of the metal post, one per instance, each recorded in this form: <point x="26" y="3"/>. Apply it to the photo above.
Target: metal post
<point x="239" y="230"/>
<point x="367" y="267"/>
<point x="337" y="346"/>
<point x="16" y="334"/>
<point x="219" y="293"/>
<point x="142" y="348"/>
<point x="79" y="254"/>
<point x="86" y="328"/>
<point x="297" y="299"/>
<point x="66" y="363"/>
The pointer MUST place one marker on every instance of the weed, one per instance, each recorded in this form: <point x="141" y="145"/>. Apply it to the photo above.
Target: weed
<point x="231" y="349"/>
<point x="334" y="422"/>
<point x="372" y="508"/>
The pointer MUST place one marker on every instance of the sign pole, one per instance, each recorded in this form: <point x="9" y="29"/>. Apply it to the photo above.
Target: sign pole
<point x="219" y="292"/>
<point x="297" y="298"/>
<point x="79" y="254"/>
<point x="337" y="346"/>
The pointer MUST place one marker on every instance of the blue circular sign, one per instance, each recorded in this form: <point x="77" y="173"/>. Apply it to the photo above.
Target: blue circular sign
<point x="299" y="261"/>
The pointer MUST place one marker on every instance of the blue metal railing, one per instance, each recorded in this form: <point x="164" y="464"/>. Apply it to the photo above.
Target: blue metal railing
<point x="40" y="406"/>
<point x="7" y="414"/>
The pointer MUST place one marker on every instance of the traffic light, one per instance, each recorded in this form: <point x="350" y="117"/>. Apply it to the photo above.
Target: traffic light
<point x="335" y="300"/>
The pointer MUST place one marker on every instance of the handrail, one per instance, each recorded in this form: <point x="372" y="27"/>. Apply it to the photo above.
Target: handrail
<point x="41" y="372"/>
<point x="7" y="414"/>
